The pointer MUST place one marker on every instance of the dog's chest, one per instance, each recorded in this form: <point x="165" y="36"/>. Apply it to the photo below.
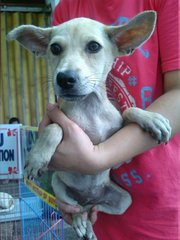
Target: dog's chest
<point x="99" y="124"/>
<point x="95" y="128"/>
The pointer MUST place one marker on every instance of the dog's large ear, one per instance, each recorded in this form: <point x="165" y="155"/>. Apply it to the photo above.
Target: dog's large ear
<point x="33" y="38"/>
<point x="134" y="33"/>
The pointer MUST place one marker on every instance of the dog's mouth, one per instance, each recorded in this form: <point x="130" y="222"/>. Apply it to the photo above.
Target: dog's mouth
<point x="72" y="97"/>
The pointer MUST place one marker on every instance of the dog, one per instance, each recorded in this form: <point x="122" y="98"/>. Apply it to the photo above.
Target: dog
<point x="81" y="54"/>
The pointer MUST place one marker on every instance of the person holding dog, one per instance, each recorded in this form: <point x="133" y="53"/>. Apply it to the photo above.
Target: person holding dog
<point x="148" y="79"/>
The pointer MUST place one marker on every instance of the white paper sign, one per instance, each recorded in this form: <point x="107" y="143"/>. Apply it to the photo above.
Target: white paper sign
<point x="10" y="154"/>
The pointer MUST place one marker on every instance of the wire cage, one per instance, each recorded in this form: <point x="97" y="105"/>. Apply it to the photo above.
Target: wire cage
<point x="27" y="217"/>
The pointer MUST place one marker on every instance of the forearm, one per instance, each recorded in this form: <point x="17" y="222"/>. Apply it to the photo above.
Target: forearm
<point x="169" y="106"/>
<point x="131" y="140"/>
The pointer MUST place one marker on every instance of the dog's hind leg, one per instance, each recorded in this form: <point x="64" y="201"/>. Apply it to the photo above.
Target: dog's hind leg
<point x="115" y="200"/>
<point x="82" y="226"/>
<point x="61" y="190"/>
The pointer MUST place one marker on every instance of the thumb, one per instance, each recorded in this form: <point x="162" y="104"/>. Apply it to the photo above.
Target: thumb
<point x="44" y="123"/>
<point x="57" y="116"/>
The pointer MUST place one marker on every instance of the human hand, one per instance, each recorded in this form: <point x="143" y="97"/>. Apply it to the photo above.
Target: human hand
<point x="67" y="212"/>
<point x="76" y="152"/>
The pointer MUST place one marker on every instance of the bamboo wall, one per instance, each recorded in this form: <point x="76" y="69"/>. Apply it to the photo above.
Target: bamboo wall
<point x="24" y="89"/>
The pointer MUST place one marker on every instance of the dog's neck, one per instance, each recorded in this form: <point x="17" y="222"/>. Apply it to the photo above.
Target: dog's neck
<point x="93" y="115"/>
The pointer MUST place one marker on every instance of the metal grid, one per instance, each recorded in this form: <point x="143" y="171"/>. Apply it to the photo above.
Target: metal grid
<point x="28" y="217"/>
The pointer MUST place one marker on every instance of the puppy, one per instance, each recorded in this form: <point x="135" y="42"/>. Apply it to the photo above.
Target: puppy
<point x="81" y="53"/>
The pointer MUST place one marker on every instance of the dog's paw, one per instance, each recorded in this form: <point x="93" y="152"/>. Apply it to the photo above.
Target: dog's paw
<point x="83" y="227"/>
<point x="89" y="232"/>
<point x="153" y="123"/>
<point x="157" y="126"/>
<point x="35" y="166"/>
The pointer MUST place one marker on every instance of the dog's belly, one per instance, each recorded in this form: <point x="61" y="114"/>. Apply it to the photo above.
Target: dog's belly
<point x="85" y="189"/>
<point x="88" y="197"/>
<point x="82" y="182"/>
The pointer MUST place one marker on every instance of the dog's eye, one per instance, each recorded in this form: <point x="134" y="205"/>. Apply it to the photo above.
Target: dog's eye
<point x="56" y="49"/>
<point x="93" y="47"/>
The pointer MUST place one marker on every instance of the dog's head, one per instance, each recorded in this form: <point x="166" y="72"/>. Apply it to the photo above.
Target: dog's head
<point x="81" y="51"/>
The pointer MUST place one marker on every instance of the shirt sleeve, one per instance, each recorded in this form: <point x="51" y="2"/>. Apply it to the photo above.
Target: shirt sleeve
<point x="59" y="12"/>
<point x="169" y="34"/>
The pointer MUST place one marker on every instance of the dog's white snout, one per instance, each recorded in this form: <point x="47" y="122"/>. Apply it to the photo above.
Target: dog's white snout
<point x="67" y="79"/>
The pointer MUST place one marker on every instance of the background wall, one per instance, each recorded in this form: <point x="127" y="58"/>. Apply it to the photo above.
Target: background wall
<point x="24" y="88"/>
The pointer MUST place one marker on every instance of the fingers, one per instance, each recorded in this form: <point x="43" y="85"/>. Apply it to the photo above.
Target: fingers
<point x="53" y="114"/>
<point x="93" y="215"/>
<point x="68" y="208"/>
<point x="44" y="123"/>
<point x="67" y="218"/>
<point x="46" y="120"/>
<point x="51" y="106"/>
<point x="84" y="216"/>
<point x="57" y="116"/>
<point x="67" y="211"/>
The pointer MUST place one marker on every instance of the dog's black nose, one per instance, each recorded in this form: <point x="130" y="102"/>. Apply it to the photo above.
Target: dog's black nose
<point x="67" y="79"/>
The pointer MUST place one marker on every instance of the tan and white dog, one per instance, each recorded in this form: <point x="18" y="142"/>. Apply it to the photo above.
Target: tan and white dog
<point x="81" y="53"/>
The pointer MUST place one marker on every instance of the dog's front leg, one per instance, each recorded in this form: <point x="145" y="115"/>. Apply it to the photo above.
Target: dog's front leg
<point x="41" y="153"/>
<point x="154" y="123"/>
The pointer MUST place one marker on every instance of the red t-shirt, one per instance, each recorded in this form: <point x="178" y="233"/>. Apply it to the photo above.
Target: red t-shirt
<point x="152" y="178"/>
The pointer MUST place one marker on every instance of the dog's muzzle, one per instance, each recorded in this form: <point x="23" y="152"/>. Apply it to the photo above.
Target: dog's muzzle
<point x="68" y="82"/>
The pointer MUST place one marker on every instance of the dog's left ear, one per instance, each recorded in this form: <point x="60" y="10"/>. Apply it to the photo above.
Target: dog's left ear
<point x="33" y="38"/>
<point x="134" y="33"/>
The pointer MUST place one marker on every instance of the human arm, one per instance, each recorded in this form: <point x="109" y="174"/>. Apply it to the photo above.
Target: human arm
<point x="125" y="141"/>
<point x="121" y="146"/>
<point x="77" y="153"/>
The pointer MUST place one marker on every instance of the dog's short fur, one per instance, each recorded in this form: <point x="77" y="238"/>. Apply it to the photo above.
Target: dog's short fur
<point x="81" y="54"/>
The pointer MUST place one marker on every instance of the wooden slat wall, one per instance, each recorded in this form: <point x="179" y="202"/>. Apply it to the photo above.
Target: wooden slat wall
<point x="24" y="88"/>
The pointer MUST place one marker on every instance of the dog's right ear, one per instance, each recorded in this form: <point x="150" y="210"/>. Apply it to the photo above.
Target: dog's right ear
<point x="33" y="38"/>
<point x="133" y="34"/>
